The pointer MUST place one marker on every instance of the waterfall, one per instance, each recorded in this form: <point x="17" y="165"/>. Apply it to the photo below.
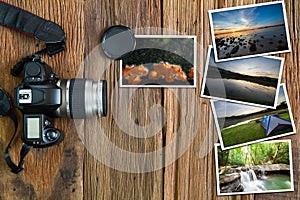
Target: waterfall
<point x="250" y="182"/>
<point x="253" y="175"/>
<point x="245" y="177"/>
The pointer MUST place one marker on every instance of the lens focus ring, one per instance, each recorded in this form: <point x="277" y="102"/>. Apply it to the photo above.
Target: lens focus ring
<point x="82" y="98"/>
<point x="77" y="98"/>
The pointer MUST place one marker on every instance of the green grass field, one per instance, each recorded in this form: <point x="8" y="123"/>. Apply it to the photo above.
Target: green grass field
<point x="249" y="132"/>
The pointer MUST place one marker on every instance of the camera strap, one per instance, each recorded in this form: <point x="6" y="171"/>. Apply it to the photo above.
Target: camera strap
<point x="24" y="151"/>
<point x="34" y="26"/>
<point x="6" y="111"/>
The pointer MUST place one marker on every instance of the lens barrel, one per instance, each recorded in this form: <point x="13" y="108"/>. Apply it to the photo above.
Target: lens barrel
<point x="82" y="98"/>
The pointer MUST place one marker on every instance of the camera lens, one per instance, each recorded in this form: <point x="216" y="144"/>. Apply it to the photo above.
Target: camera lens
<point x="82" y="98"/>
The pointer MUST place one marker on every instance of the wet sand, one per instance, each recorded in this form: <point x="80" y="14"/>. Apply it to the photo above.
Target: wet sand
<point x="257" y="41"/>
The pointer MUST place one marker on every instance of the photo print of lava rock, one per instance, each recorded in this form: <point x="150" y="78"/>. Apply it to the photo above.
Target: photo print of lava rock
<point x="160" y="61"/>
<point x="248" y="31"/>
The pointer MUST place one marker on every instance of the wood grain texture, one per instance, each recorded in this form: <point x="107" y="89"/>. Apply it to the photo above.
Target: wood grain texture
<point x="73" y="170"/>
<point x="56" y="172"/>
<point x="98" y="177"/>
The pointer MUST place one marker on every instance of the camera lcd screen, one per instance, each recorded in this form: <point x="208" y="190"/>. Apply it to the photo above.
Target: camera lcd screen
<point x="33" y="128"/>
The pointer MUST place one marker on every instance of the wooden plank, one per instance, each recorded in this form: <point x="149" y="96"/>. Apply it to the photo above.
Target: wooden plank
<point x="55" y="172"/>
<point x="181" y="181"/>
<point x="100" y="180"/>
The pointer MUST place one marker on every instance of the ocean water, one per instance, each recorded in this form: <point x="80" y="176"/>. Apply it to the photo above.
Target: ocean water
<point x="241" y="90"/>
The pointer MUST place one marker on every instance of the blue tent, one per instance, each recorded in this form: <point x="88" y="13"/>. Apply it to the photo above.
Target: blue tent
<point x="274" y="123"/>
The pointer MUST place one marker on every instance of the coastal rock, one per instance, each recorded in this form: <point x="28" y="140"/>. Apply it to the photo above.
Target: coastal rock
<point x="281" y="47"/>
<point x="253" y="47"/>
<point x="235" y="49"/>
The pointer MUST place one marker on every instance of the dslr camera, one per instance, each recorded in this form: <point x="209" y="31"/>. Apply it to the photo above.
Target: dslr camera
<point x="43" y="96"/>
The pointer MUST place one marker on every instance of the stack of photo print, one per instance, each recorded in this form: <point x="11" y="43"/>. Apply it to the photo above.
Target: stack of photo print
<point x="250" y="104"/>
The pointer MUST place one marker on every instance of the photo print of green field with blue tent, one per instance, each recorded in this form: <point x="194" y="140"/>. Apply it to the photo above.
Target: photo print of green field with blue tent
<point x="257" y="168"/>
<point x="248" y="31"/>
<point x="254" y="81"/>
<point x="239" y="124"/>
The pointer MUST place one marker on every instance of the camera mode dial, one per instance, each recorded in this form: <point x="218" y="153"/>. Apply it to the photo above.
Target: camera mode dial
<point x="33" y="69"/>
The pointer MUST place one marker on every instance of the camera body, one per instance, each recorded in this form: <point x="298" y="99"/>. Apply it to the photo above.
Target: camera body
<point x="42" y="96"/>
<point x="38" y="97"/>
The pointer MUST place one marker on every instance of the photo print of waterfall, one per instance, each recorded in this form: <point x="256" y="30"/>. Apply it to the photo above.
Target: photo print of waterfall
<point x="258" y="168"/>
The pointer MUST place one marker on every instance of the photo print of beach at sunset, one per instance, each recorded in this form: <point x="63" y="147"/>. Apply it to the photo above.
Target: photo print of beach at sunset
<point x="248" y="31"/>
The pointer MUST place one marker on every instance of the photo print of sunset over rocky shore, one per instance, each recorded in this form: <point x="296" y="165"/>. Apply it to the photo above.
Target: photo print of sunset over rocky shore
<point x="249" y="31"/>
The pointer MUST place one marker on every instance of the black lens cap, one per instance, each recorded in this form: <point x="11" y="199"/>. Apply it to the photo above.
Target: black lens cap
<point x="118" y="42"/>
<point x="5" y="105"/>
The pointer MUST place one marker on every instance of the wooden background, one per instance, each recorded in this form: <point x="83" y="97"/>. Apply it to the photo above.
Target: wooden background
<point x="69" y="171"/>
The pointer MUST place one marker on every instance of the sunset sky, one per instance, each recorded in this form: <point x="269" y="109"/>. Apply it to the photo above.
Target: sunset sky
<point x="228" y="109"/>
<point x="256" y="66"/>
<point x="247" y="18"/>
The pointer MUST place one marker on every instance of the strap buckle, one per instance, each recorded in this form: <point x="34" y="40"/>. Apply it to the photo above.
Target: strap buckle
<point x="55" y="48"/>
